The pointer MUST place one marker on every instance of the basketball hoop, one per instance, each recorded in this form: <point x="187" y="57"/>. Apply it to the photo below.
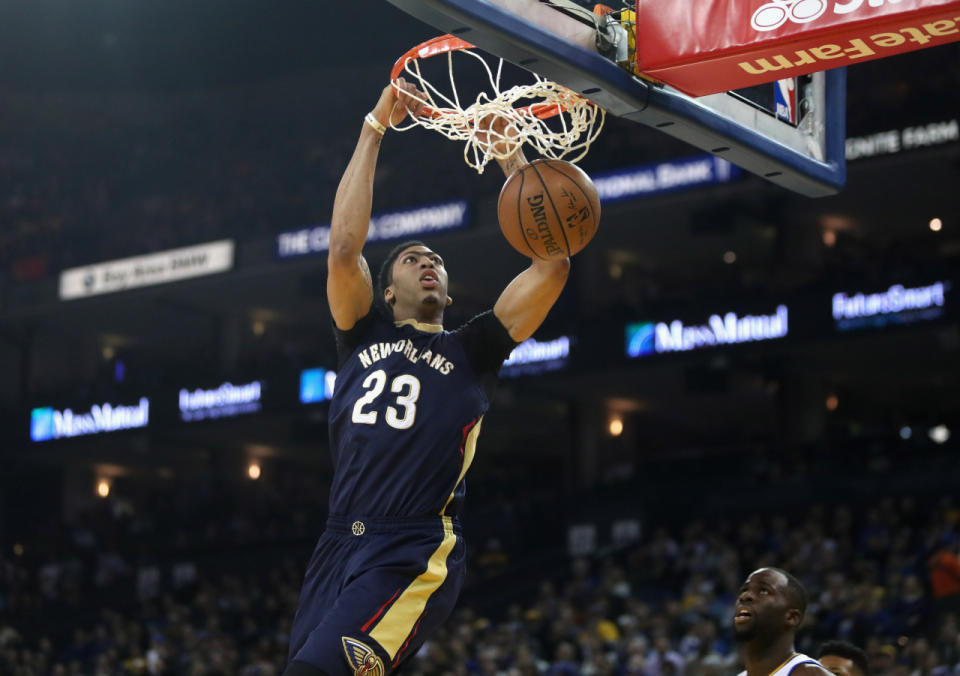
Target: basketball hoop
<point x="576" y="121"/>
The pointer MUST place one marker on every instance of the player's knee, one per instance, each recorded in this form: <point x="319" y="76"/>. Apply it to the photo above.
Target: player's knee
<point x="303" y="669"/>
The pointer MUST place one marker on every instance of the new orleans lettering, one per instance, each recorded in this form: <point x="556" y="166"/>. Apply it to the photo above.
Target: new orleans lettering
<point x="855" y="48"/>
<point x="379" y="351"/>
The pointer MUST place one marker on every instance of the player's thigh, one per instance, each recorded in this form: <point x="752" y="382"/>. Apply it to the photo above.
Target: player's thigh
<point x="382" y="616"/>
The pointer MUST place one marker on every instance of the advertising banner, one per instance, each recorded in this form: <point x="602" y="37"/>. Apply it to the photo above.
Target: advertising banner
<point x="47" y="423"/>
<point x="392" y="225"/>
<point x="648" y="338"/>
<point x="714" y="46"/>
<point x="654" y="179"/>
<point x="224" y="401"/>
<point x="897" y="304"/>
<point x="535" y="356"/>
<point x="157" y="268"/>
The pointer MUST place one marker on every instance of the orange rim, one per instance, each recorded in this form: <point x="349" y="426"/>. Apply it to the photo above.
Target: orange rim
<point x="445" y="44"/>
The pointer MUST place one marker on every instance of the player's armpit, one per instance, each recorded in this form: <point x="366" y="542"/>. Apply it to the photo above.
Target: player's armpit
<point x="349" y="289"/>
<point x="525" y="302"/>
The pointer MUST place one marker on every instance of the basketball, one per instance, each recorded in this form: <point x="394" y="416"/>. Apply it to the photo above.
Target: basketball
<point x="549" y="209"/>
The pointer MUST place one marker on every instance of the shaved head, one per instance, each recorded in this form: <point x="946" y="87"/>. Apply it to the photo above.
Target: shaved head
<point x="795" y="591"/>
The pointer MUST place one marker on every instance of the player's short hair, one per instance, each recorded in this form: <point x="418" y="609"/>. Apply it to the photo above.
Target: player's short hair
<point x="796" y="590"/>
<point x="847" y="651"/>
<point x="385" y="278"/>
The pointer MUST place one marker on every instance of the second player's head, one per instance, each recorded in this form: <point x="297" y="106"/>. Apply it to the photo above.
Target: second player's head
<point x="771" y="603"/>
<point x="413" y="283"/>
<point x="844" y="659"/>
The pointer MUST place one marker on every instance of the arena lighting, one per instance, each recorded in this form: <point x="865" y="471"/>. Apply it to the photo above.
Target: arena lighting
<point x="615" y="427"/>
<point x="103" y="488"/>
<point x="905" y="432"/>
<point x="936" y="224"/>
<point x="939" y="434"/>
<point x="253" y="470"/>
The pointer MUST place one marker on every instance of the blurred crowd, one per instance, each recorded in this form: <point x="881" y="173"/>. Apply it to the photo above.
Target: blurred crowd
<point x="182" y="585"/>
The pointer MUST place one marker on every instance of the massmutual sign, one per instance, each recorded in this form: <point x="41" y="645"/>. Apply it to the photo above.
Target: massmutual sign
<point x="647" y="338"/>
<point x="48" y="423"/>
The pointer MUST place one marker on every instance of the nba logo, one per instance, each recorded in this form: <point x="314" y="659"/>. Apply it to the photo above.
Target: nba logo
<point x="785" y="99"/>
<point x="640" y="339"/>
<point x="41" y="424"/>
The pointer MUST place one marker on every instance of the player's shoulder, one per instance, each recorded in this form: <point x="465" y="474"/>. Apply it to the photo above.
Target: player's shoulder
<point x="808" y="666"/>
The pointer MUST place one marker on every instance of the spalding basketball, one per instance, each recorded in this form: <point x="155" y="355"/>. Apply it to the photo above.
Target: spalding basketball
<point x="549" y="209"/>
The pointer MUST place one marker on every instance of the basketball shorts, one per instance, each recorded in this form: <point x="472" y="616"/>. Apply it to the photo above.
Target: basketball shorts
<point x="374" y="590"/>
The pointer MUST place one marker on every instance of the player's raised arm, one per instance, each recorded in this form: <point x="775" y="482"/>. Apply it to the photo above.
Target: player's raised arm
<point x="349" y="284"/>
<point x="525" y="302"/>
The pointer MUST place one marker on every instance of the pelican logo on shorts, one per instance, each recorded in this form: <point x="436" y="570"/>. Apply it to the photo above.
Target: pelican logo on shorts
<point x="358" y="528"/>
<point x="362" y="658"/>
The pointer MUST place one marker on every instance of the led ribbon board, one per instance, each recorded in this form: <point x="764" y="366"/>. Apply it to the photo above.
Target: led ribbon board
<point x="533" y="356"/>
<point x="387" y="226"/>
<point x="222" y="402"/>
<point x="148" y="270"/>
<point x="316" y="385"/>
<point x="647" y="338"/>
<point x="653" y="179"/>
<point x="48" y="423"/>
<point x="896" y="305"/>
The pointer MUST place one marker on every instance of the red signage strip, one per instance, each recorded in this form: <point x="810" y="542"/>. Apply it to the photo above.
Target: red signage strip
<point x="712" y="46"/>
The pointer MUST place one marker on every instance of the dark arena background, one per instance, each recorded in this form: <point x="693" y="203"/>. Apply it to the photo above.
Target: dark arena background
<point x="735" y="376"/>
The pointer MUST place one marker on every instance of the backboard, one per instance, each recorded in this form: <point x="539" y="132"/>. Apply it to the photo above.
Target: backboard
<point x="805" y="156"/>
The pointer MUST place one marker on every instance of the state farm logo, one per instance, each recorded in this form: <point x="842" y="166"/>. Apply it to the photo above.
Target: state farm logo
<point x="771" y="15"/>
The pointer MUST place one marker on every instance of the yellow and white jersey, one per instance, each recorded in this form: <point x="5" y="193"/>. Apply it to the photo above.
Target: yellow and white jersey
<point x="796" y="660"/>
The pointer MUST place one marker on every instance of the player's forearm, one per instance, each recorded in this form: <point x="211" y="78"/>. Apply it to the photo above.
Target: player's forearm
<point x="525" y="302"/>
<point x="351" y="207"/>
<point x="512" y="163"/>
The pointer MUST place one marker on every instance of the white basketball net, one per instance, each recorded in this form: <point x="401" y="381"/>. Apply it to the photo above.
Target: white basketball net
<point x="575" y="126"/>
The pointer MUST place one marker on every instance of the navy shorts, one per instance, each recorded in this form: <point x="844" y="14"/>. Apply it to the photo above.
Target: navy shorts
<point x="374" y="591"/>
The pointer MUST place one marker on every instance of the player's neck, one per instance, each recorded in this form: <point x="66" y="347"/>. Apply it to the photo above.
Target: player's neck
<point x="763" y="660"/>
<point x="421" y="315"/>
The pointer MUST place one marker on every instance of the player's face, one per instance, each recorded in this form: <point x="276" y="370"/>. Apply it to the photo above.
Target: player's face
<point x="419" y="278"/>
<point x="841" y="666"/>
<point x="762" y="607"/>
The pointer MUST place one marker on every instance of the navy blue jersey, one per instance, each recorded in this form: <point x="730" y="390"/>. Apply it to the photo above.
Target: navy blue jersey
<point x="406" y="412"/>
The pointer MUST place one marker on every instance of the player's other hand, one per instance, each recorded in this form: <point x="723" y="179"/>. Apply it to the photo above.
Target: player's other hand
<point x="397" y="101"/>
<point x="500" y="133"/>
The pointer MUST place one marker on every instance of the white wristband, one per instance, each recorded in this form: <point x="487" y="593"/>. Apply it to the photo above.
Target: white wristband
<point x="375" y="123"/>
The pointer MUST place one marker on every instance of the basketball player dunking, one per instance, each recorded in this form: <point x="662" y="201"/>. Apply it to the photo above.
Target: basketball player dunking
<point x="768" y="611"/>
<point x="404" y="421"/>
